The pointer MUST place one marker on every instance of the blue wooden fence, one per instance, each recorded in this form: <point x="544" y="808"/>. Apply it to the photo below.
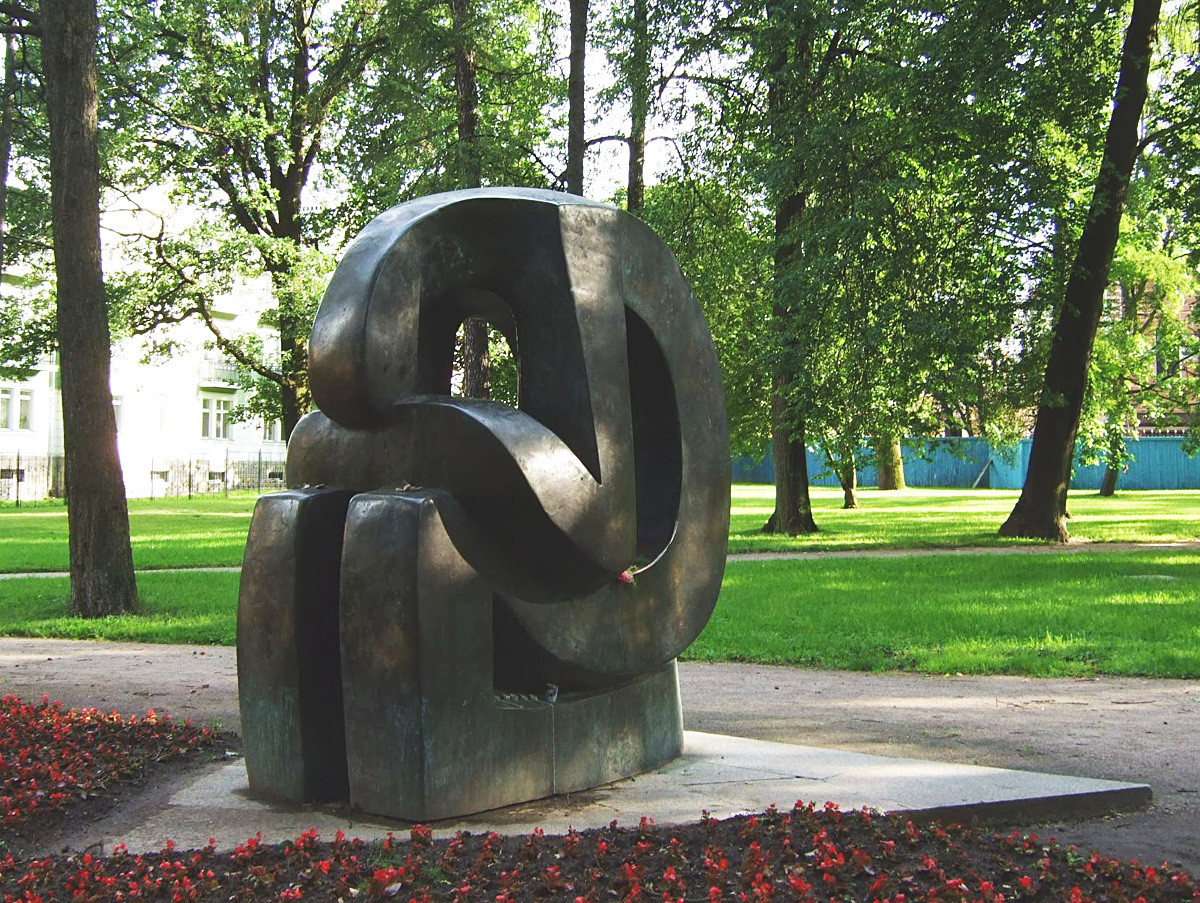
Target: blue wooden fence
<point x="1158" y="463"/>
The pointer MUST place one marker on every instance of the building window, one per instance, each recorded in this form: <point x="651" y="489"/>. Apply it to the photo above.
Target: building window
<point x="271" y="430"/>
<point x="214" y="418"/>
<point x="16" y="409"/>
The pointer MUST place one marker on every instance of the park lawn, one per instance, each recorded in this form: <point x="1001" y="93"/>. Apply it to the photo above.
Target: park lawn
<point x="1079" y="613"/>
<point x="208" y="531"/>
<point x="1042" y="615"/>
<point x="175" y="607"/>
<point x="947" y="518"/>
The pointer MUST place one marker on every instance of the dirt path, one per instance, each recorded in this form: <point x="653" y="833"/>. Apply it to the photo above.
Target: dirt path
<point x="1123" y="728"/>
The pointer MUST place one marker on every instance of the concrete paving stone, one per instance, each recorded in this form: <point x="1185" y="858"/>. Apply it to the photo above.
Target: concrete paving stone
<point x="719" y="774"/>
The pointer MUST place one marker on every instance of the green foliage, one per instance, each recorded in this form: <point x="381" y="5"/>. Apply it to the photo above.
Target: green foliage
<point x="1143" y="369"/>
<point x="913" y="160"/>
<point x="402" y="140"/>
<point x="289" y="128"/>
<point x="721" y="243"/>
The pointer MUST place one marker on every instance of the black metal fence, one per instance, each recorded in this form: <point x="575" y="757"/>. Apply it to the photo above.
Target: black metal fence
<point x="26" y="479"/>
<point x="29" y="478"/>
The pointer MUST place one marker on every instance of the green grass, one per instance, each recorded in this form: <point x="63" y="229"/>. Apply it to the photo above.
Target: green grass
<point x="1120" y="613"/>
<point x="1081" y="613"/>
<point x="197" y="608"/>
<point x="166" y="533"/>
<point x="942" y="518"/>
<point x="211" y="531"/>
<point x="1087" y="612"/>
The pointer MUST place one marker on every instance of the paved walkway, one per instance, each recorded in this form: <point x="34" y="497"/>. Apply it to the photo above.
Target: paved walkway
<point x="1039" y="549"/>
<point x="1126" y="729"/>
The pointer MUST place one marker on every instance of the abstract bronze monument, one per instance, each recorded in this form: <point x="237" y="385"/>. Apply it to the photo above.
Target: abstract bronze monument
<point x="433" y="621"/>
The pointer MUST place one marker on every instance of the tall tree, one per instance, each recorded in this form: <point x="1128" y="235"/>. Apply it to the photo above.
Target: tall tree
<point x="237" y="101"/>
<point x="1142" y="369"/>
<point x="1041" y="509"/>
<point x="639" y="104"/>
<point x="469" y="173"/>
<point x="577" y="96"/>
<point x="796" y="69"/>
<point x="722" y="241"/>
<point x="291" y="126"/>
<point x="102" y="578"/>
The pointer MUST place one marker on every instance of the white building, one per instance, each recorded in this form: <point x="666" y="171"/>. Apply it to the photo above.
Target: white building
<point x="174" y="431"/>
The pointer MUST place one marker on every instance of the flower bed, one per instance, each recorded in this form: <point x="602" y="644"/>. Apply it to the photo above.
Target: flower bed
<point x="806" y="854"/>
<point x="54" y="762"/>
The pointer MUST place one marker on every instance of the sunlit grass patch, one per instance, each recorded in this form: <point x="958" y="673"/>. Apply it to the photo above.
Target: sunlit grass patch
<point x="195" y="608"/>
<point x="1046" y="615"/>
<point x="942" y="518"/>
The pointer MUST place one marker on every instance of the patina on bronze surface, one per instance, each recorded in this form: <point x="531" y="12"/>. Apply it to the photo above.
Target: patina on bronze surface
<point x="483" y="545"/>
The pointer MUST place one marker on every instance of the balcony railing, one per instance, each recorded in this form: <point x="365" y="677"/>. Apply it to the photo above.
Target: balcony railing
<point x="221" y="373"/>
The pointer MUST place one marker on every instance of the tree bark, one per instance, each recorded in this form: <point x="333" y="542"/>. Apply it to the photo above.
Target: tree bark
<point x="6" y="133"/>
<point x="1112" y="469"/>
<point x="793" y="509"/>
<point x="576" y="98"/>
<point x="102" y="579"/>
<point x="889" y="462"/>
<point x="847" y="474"/>
<point x="793" y="505"/>
<point x="639" y="106"/>
<point x="469" y="175"/>
<point x="1040" y="512"/>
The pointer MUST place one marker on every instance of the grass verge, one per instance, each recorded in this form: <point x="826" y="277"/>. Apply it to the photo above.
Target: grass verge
<point x="945" y="518"/>
<point x="193" y="608"/>
<point x="211" y="531"/>
<point x="1080" y="613"/>
<point x="166" y="533"/>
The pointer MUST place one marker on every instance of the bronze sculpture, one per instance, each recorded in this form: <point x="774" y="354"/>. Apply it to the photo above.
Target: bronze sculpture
<point x="442" y="561"/>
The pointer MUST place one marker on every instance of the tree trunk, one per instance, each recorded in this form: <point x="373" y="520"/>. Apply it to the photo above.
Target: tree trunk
<point x="469" y="175"/>
<point x="1040" y="512"/>
<point x="793" y="508"/>
<point x="1108" y="485"/>
<point x="6" y="132"/>
<point x="102" y="580"/>
<point x="847" y="474"/>
<point x="293" y="336"/>
<point x="475" y="358"/>
<point x="576" y="99"/>
<point x="889" y="463"/>
<point x="639" y="106"/>
<point x="793" y="505"/>
<point x="1112" y="468"/>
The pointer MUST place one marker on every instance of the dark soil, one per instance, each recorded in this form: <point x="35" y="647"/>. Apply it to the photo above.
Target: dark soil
<point x="60" y="768"/>
<point x="801" y="855"/>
